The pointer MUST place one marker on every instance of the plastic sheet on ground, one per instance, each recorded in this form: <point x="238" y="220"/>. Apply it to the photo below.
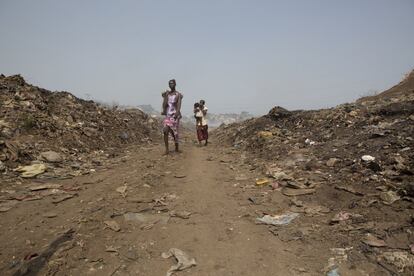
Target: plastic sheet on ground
<point x="31" y="170"/>
<point x="277" y="219"/>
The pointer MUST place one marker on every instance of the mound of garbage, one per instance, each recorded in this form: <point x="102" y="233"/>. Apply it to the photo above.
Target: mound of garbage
<point x="355" y="160"/>
<point x="50" y="134"/>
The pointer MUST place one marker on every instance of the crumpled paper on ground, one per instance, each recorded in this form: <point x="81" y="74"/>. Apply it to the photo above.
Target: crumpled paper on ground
<point x="183" y="260"/>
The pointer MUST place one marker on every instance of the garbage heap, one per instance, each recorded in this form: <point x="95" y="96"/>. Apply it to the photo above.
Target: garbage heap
<point x="336" y="139"/>
<point x="66" y="135"/>
<point x="355" y="160"/>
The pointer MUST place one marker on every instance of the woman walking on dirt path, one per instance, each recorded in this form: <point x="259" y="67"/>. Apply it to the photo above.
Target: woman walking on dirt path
<point x="171" y="108"/>
<point x="201" y="122"/>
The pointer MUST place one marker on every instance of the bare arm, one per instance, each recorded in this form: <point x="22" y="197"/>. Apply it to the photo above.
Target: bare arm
<point x="180" y="97"/>
<point x="164" y="103"/>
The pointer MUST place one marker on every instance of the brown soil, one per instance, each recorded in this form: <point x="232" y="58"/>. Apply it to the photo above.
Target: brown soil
<point x="220" y="233"/>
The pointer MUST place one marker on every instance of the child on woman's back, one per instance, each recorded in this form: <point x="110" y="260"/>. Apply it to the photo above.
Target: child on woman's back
<point x="198" y="114"/>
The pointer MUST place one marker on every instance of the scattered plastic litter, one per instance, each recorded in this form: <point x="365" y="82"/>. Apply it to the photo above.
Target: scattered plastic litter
<point x="146" y="218"/>
<point x="183" y="260"/>
<point x="113" y="225"/>
<point x="333" y="272"/>
<point x="44" y="187"/>
<point x="371" y="240"/>
<point x="343" y="216"/>
<point x="264" y="134"/>
<point x="367" y="158"/>
<point x="277" y="219"/>
<point x="31" y="170"/>
<point x="309" y="142"/>
<point x="332" y="162"/>
<point x="111" y="249"/>
<point x="50" y="215"/>
<point x="63" y="198"/>
<point x="180" y="214"/>
<point x="297" y="192"/>
<point x="277" y="173"/>
<point x="348" y="189"/>
<point x="122" y="190"/>
<point x="262" y="181"/>
<point x="389" y="197"/>
<point x="7" y="205"/>
<point x="297" y="185"/>
<point x="275" y="185"/>
<point x="2" y="166"/>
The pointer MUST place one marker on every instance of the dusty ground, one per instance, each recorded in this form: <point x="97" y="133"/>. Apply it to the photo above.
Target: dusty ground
<point x="213" y="183"/>
<point x="219" y="233"/>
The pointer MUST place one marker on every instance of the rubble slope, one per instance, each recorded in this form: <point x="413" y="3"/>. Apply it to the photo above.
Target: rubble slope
<point x="355" y="160"/>
<point x="37" y="125"/>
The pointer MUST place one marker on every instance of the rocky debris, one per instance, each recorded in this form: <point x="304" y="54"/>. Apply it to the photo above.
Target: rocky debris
<point x="73" y="136"/>
<point x="278" y="112"/>
<point x="356" y="160"/>
<point x="51" y="156"/>
<point x="403" y="261"/>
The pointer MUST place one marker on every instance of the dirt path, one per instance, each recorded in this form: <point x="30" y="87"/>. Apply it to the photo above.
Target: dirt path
<point x="223" y="241"/>
<point x="220" y="233"/>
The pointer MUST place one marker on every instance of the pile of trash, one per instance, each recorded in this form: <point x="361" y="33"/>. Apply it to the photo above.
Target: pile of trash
<point x="46" y="134"/>
<point x="356" y="160"/>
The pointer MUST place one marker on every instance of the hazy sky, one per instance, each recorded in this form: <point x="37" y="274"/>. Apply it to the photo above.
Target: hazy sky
<point x="237" y="55"/>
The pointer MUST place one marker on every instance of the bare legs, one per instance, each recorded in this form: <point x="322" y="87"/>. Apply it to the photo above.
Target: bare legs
<point x="202" y="134"/>
<point x="167" y="131"/>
